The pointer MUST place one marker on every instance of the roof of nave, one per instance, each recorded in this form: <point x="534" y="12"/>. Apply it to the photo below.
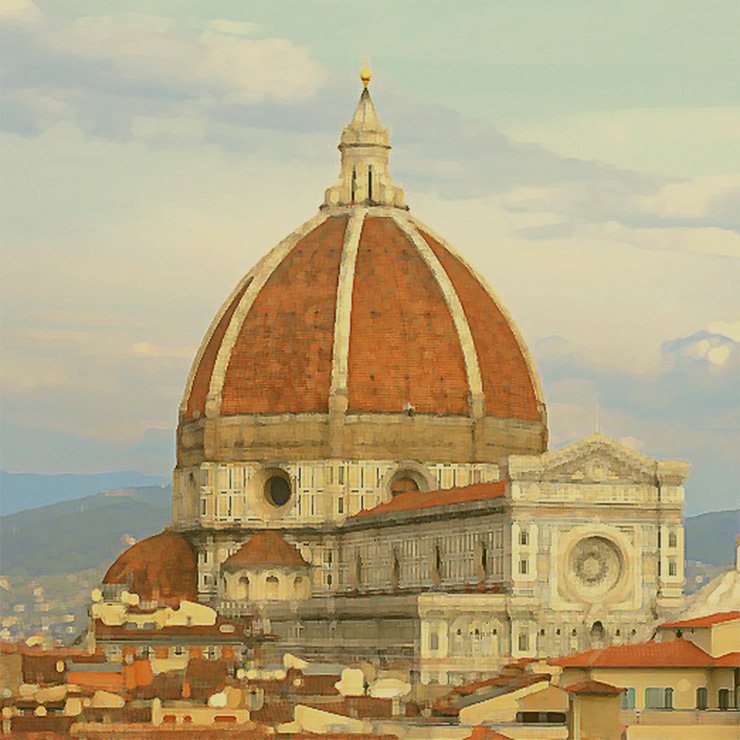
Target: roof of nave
<point x="159" y="567"/>
<point x="416" y="500"/>
<point x="267" y="548"/>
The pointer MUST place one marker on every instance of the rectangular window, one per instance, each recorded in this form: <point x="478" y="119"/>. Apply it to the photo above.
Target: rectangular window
<point x="523" y="641"/>
<point x="340" y="505"/>
<point x="433" y="641"/>
<point x="523" y="538"/>
<point x="672" y="568"/>
<point x="723" y="699"/>
<point x="203" y="507"/>
<point x="340" y="475"/>
<point x="523" y="567"/>
<point x="313" y="506"/>
<point x="672" y="539"/>
<point x="658" y="698"/>
<point x="701" y="698"/>
<point x="230" y="506"/>
<point x="628" y="699"/>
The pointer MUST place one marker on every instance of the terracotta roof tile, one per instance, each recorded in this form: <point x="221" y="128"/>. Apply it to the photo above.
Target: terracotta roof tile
<point x="594" y="687"/>
<point x="413" y="500"/>
<point x="202" y="377"/>
<point x="403" y="344"/>
<point x="481" y="732"/>
<point x="267" y="548"/>
<point x="507" y="384"/>
<point x="728" y="660"/>
<point x="281" y="361"/>
<point x="677" y="653"/>
<point x="162" y="566"/>
<point x="708" y="621"/>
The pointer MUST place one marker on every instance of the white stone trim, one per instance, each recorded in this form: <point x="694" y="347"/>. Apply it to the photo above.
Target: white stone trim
<point x="514" y="328"/>
<point x="343" y="313"/>
<point x="261" y="274"/>
<point x="207" y="338"/>
<point x="465" y="336"/>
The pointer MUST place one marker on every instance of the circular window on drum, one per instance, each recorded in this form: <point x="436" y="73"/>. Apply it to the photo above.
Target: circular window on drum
<point x="595" y="564"/>
<point x="277" y="489"/>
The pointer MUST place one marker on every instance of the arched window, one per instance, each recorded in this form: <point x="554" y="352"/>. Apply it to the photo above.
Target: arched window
<point x="243" y="590"/>
<point x="354" y="184"/>
<point x="271" y="587"/>
<point x="298" y="586"/>
<point x="597" y="634"/>
<point x="370" y="182"/>
<point x="672" y="539"/>
<point x="403" y="484"/>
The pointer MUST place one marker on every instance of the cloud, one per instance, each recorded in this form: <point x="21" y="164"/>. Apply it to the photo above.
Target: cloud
<point x="682" y="141"/>
<point x="101" y="72"/>
<point x="685" y="406"/>
<point x="19" y="11"/>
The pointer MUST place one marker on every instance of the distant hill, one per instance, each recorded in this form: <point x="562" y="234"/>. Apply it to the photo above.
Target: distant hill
<point x="76" y="535"/>
<point x="21" y="491"/>
<point x="710" y="537"/>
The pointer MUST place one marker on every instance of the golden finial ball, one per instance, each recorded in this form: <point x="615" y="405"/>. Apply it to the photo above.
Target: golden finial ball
<point x="366" y="75"/>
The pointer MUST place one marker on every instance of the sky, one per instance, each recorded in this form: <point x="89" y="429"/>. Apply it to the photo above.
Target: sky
<point x="584" y="156"/>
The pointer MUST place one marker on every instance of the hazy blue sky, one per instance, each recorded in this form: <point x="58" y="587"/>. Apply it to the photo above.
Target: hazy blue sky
<point x="584" y="155"/>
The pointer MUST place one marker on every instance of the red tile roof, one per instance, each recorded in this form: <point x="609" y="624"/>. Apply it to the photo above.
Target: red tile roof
<point x="594" y="687"/>
<point x="159" y="567"/>
<point x="267" y="548"/>
<point x="445" y="497"/>
<point x="481" y="732"/>
<point x="708" y="621"/>
<point x="281" y="361"/>
<point x="728" y="660"/>
<point x="403" y="346"/>
<point x="508" y="386"/>
<point x="202" y="378"/>
<point x="677" y="653"/>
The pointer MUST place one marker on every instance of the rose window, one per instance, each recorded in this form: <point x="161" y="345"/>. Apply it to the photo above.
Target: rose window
<point x="595" y="564"/>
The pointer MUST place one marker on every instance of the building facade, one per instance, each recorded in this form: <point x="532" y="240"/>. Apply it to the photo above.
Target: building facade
<point x="362" y="458"/>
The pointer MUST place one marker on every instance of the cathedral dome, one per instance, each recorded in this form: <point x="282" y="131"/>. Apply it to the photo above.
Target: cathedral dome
<point x="159" y="567"/>
<point x="362" y="312"/>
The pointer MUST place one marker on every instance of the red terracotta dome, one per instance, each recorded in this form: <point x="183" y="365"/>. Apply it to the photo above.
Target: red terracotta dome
<point x="159" y="567"/>
<point x="393" y="315"/>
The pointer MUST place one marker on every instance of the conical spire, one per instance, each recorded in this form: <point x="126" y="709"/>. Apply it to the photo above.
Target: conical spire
<point x="365" y="176"/>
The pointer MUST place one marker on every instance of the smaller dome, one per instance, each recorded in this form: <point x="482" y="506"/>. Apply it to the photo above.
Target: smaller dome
<point x="266" y="548"/>
<point x="159" y="567"/>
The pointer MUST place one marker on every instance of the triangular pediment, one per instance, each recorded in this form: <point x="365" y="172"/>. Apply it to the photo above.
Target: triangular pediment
<point x="595" y="459"/>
